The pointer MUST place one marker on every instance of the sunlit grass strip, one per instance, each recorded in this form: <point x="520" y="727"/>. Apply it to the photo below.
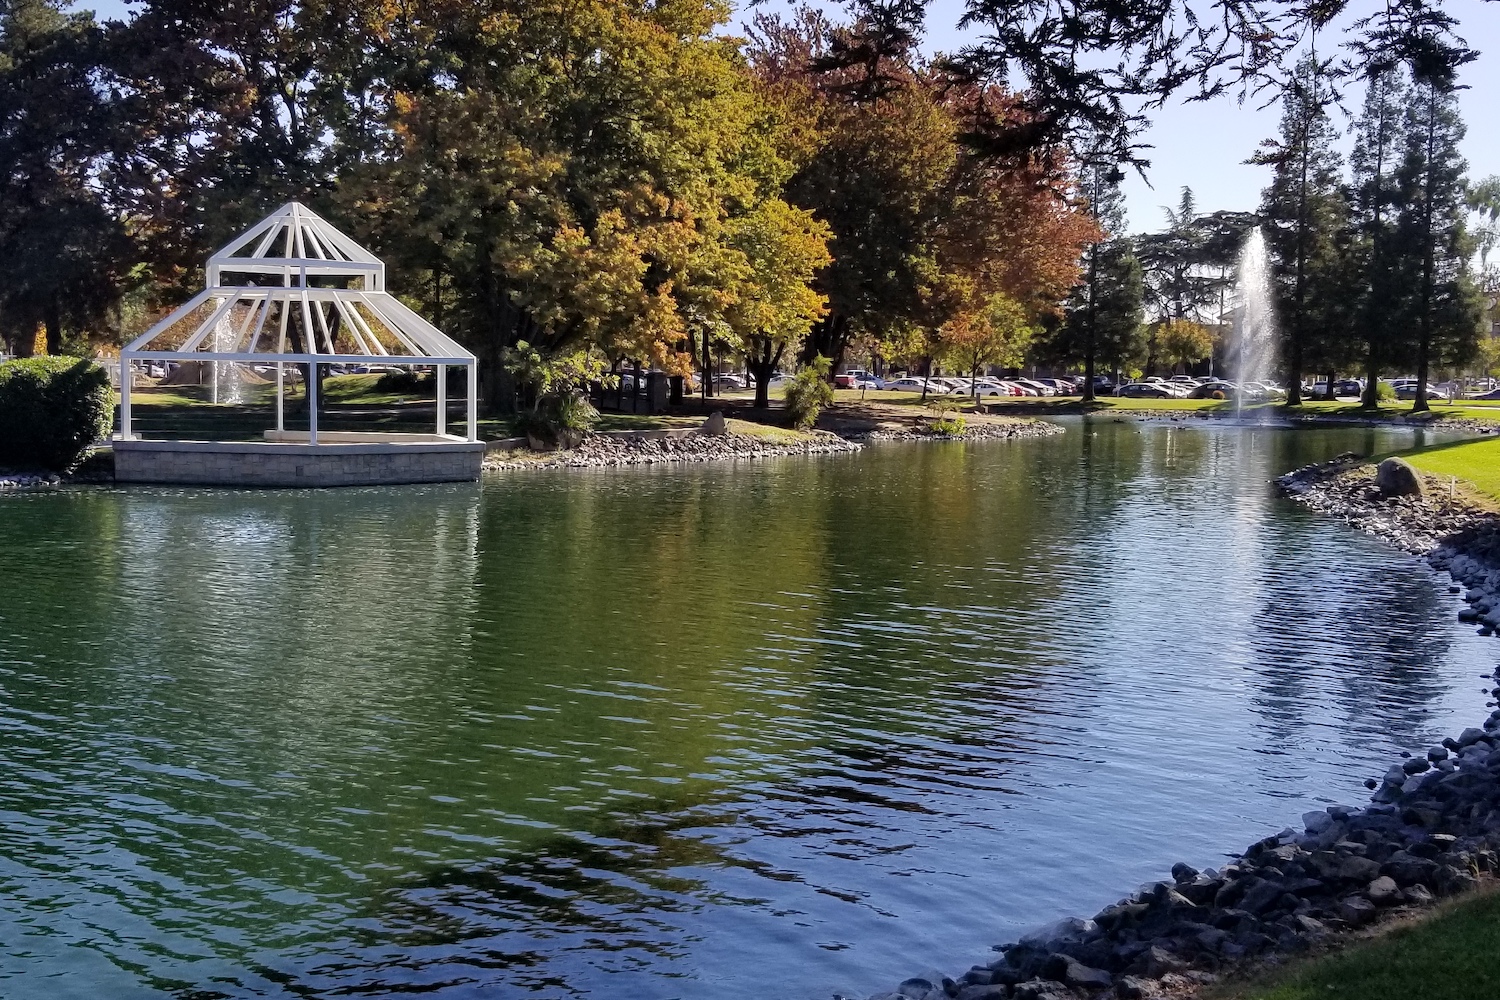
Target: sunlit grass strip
<point x="1476" y="463"/>
<point x="1452" y="955"/>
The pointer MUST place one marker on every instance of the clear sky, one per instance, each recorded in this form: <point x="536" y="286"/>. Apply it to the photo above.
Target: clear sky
<point x="1205" y="145"/>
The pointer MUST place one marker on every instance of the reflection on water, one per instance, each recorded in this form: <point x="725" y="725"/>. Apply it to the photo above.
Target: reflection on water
<point x="731" y="731"/>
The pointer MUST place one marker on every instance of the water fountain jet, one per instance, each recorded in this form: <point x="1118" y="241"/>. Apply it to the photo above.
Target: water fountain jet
<point x="1254" y="336"/>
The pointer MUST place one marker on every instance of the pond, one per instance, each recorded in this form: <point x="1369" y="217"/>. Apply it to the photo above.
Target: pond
<point x="781" y="729"/>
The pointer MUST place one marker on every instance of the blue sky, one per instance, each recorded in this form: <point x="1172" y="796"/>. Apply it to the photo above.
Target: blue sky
<point x="1205" y="145"/>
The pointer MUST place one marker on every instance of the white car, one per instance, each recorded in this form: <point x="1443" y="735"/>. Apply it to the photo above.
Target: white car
<point x="1042" y="389"/>
<point x="908" y="383"/>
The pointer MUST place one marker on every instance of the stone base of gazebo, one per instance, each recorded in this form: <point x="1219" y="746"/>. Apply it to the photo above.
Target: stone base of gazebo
<point x="338" y="459"/>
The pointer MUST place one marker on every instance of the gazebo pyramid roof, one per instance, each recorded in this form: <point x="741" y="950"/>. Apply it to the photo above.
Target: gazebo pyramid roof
<point x="294" y="242"/>
<point x="294" y="288"/>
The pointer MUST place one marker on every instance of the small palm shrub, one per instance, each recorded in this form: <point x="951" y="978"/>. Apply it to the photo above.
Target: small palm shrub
<point x="809" y="392"/>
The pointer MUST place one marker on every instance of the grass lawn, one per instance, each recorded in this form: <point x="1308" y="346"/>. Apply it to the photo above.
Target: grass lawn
<point x="1453" y="954"/>
<point x="1475" y="462"/>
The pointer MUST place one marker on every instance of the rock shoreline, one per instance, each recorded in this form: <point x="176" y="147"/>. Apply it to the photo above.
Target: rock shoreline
<point x="1431" y="829"/>
<point x="14" y="481"/>
<point x="974" y="431"/>
<point x="613" y="451"/>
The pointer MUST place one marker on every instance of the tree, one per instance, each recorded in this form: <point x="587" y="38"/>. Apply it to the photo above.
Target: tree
<point x="999" y="334"/>
<point x="1431" y="240"/>
<point x="1098" y="67"/>
<point x="775" y="305"/>
<point x="69" y="259"/>
<point x="1184" y="342"/>
<point x="1179" y="279"/>
<point x="924" y="231"/>
<point x="1305" y="214"/>
<point x="1377" y="149"/>
<point x="1101" y="318"/>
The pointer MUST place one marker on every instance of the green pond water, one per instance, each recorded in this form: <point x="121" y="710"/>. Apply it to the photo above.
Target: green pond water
<point x="780" y="729"/>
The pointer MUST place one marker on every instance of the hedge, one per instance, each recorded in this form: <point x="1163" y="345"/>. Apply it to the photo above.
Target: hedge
<point x="51" y="410"/>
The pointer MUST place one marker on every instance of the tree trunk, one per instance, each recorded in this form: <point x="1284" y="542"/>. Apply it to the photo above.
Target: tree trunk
<point x="761" y="363"/>
<point x="1424" y="343"/>
<point x="54" y="328"/>
<point x="708" y="374"/>
<point x="1090" y="341"/>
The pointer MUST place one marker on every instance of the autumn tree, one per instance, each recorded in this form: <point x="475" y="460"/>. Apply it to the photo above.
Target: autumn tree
<point x="775" y="305"/>
<point x="1183" y="342"/>
<point x="999" y="334"/>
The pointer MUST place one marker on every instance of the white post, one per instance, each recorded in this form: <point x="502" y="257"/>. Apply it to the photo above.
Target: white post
<point x="280" y="401"/>
<point x="440" y="372"/>
<point x="473" y="401"/>
<point x="124" y="399"/>
<point x="214" y="375"/>
<point x="312" y="402"/>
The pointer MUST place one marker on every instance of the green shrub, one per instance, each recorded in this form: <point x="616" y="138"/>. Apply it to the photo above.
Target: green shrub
<point x="1384" y="392"/>
<point x="51" y="411"/>
<point x="404" y="380"/>
<point x="809" y="392"/>
<point x="952" y="426"/>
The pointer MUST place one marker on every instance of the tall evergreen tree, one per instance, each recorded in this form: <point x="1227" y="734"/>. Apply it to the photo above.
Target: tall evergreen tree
<point x="1378" y="148"/>
<point x="67" y="254"/>
<point x="1103" y="315"/>
<point x="1101" y="185"/>
<point x="1305" y="214"/>
<point x="1431" y="240"/>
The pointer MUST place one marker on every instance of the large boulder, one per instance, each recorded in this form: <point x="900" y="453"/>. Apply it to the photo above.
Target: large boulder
<point x="1395" y="477"/>
<point x="714" y="426"/>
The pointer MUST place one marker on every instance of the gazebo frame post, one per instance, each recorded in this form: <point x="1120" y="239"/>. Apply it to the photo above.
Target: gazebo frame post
<point x="473" y="400"/>
<point x="125" y="380"/>
<point x="312" y="402"/>
<point x="440" y="372"/>
<point x="280" y="397"/>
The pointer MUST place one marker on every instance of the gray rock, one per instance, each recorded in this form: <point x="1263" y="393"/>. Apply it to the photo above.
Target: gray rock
<point x="1470" y="736"/>
<point x="1416" y="765"/>
<point x="1395" y="477"/>
<point x="1316" y="822"/>
<point x="984" y="993"/>
<point x="714" y="426"/>
<point x="1358" y="869"/>
<point x="1383" y="891"/>
<point x="1356" y="911"/>
<point x="1135" y="988"/>
<point x="1261" y="894"/>
<point x="1437" y="753"/>
<point x="1417" y="895"/>
<point x="1308" y="925"/>
<point x="915" y="988"/>
<point x="1066" y="969"/>
<point x="1042" y="989"/>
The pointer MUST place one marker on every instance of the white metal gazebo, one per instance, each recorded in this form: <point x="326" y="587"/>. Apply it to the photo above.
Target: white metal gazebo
<point x="294" y="290"/>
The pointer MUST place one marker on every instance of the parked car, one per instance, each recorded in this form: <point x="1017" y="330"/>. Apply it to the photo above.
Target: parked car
<point x="869" y="382"/>
<point x="1145" y="390"/>
<point x="907" y="383"/>
<point x="1215" y="389"/>
<point x="729" y="383"/>
<point x="1042" y="388"/>
<point x="1492" y="394"/>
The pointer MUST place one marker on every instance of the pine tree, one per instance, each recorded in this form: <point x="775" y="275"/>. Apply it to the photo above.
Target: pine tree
<point x="1104" y="313"/>
<point x="1101" y="183"/>
<point x="1305" y="214"/>
<point x="1432" y="244"/>
<point x="1378" y="148"/>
